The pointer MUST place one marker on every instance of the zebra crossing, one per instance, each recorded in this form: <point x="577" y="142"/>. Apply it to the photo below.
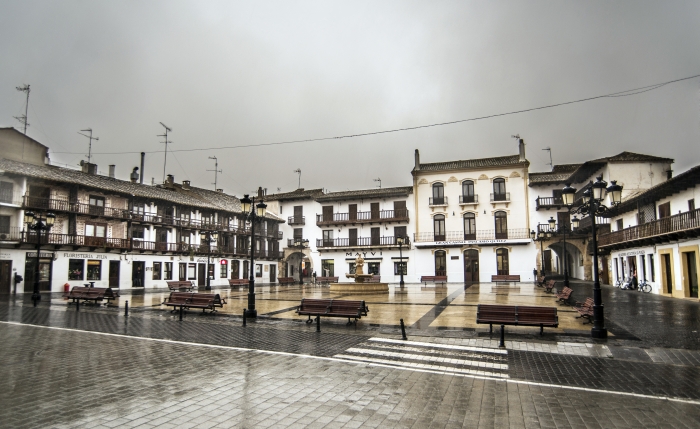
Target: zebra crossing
<point x="443" y="358"/>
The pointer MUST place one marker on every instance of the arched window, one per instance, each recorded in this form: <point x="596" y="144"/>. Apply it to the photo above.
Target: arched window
<point x="439" y="227"/>
<point x="467" y="192"/>
<point x="438" y="194"/>
<point x="501" y="224"/>
<point x="469" y="226"/>
<point x="440" y="263"/>
<point x="502" y="261"/>
<point x="499" y="190"/>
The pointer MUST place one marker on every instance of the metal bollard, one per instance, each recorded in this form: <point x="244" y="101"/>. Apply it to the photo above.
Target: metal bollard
<point x="126" y="308"/>
<point x="318" y="323"/>
<point x="244" y="317"/>
<point x="503" y="337"/>
<point x="181" y="312"/>
<point x="77" y="304"/>
<point x="403" y="331"/>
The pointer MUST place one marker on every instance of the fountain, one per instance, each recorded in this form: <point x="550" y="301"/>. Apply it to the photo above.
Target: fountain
<point x="361" y="284"/>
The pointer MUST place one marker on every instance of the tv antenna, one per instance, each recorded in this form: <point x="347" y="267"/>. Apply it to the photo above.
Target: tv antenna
<point x="23" y="119"/>
<point x="298" y="170"/>
<point x="91" y="139"/>
<point x="165" y="158"/>
<point x="215" y="170"/>
<point x="380" y="182"/>
<point x="548" y="149"/>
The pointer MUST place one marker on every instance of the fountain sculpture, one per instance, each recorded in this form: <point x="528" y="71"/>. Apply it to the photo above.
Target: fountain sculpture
<point x="361" y="284"/>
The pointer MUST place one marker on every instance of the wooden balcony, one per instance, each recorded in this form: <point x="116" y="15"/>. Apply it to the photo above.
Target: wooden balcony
<point x="12" y="233"/>
<point x="54" y="205"/>
<point x="672" y="228"/>
<point x="344" y="243"/>
<point x="482" y="234"/>
<point x="76" y="241"/>
<point x="549" y="203"/>
<point x="354" y="218"/>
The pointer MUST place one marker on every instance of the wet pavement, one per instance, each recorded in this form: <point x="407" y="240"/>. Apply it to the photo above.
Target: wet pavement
<point x="99" y="368"/>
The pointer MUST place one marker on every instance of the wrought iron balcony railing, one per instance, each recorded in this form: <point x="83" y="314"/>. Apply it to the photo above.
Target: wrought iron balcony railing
<point x="481" y="234"/>
<point x="363" y="217"/>
<point x="389" y="241"/>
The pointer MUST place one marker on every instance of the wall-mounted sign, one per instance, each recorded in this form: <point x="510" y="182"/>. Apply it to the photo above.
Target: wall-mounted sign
<point x="84" y="255"/>
<point x="41" y="255"/>
<point x="632" y="253"/>
<point x="473" y="242"/>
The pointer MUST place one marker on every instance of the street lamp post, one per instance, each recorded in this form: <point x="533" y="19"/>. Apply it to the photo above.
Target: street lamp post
<point x="401" y="241"/>
<point x="36" y="223"/>
<point x="247" y="204"/>
<point x="209" y="238"/>
<point x="593" y="205"/>
<point x="301" y="244"/>
<point x="563" y="229"/>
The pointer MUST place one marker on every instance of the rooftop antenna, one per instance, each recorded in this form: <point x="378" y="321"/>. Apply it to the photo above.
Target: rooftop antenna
<point x="298" y="170"/>
<point x="548" y="149"/>
<point x="380" y="182"/>
<point x="215" y="170"/>
<point x="23" y="119"/>
<point x="165" y="158"/>
<point x="91" y="139"/>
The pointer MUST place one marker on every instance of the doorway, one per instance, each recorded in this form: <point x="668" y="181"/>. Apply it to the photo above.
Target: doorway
<point x="235" y="270"/>
<point x="5" y="277"/>
<point x="471" y="266"/>
<point x="547" y="261"/>
<point x="692" y="273"/>
<point x="201" y="274"/>
<point x="273" y="273"/>
<point x="440" y="263"/>
<point x="668" y="277"/>
<point x="138" y="273"/>
<point x="45" y="272"/>
<point x="114" y="274"/>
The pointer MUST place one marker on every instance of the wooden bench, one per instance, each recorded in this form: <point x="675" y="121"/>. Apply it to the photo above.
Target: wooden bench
<point x="326" y="280"/>
<point x="433" y="279"/>
<point x="375" y="279"/>
<point x="238" y="282"/>
<point x="564" y="295"/>
<point x="95" y="294"/>
<point x="517" y="316"/>
<point x="549" y="285"/>
<point x="505" y="278"/>
<point x="332" y="308"/>
<point x="585" y="309"/>
<point x="180" y="285"/>
<point x="540" y="281"/>
<point x="286" y="280"/>
<point x="187" y="300"/>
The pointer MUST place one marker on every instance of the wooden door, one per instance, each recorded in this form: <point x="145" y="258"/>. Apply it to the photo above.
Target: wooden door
<point x="273" y="273"/>
<point x="375" y="236"/>
<point x="400" y="209"/>
<point x="666" y="258"/>
<point x="471" y="266"/>
<point x="547" y="261"/>
<point x="201" y="274"/>
<point x="114" y="274"/>
<point x="692" y="273"/>
<point x="352" y="234"/>
<point x="5" y="277"/>
<point x="298" y="213"/>
<point x="374" y="210"/>
<point x="327" y="214"/>
<point x="352" y="208"/>
<point x="138" y="273"/>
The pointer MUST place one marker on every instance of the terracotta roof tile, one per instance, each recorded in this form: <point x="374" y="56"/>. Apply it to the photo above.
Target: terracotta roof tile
<point x="473" y="163"/>
<point x="367" y="193"/>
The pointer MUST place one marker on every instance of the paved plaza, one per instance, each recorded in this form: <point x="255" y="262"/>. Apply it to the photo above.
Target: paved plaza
<point x="97" y="367"/>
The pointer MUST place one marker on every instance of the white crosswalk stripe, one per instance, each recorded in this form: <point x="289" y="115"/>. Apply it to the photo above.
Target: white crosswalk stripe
<point x="449" y="359"/>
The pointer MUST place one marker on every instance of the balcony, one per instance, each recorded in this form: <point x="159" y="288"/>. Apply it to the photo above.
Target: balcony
<point x="549" y="203"/>
<point x="78" y="208"/>
<point x="500" y="198"/>
<point x="13" y="233"/>
<point x="482" y="234"/>
<point x="602" y="225"/>
<point x="296" y="220"/>
<point x="437" y="201"/>
<point x="468" y="199"/>
<point x="363" y="217"/>
<point x="340" y="243"/>
<point x="77" y="240"/>
<point x="676" y="227"/>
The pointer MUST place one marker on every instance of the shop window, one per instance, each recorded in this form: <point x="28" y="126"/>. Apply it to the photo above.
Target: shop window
<point x="94" y="269"/>
<point x="191" y="271"/>
<point x="400" y="268"/>
<point x="440" y="263"/>
<point x="168" y="274"/>
<point x="182" y="271"/>
<point x="258" y="270"/>
<point x="156" y="270"/>
<point x="373" y="268"/>
<point x="327" y="267"/>
<point x="502" y="262"/>
<point x="76" y="268"/>
<point x="223" y="272"/>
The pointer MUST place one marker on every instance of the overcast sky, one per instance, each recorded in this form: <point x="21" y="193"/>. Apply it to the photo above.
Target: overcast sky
<point x="250" y="73"/>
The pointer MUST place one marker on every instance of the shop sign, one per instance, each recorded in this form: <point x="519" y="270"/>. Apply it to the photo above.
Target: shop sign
<point x="474" y="242"/>
<point x="632" y="253"/>
<point x="5" y="256"/>
<point x="41" y="255"/>
<point x="85" y="256"/>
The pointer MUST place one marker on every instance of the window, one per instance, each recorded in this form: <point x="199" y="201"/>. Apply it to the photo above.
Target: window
<point x="691" y="208"/>
<point x="399" y="231"/>
<point x="374" y="236"/>
<point x="182" y="273"/>
<point x="137" y="232"/>
<point x="94" y="269"/>
<point x="258" y="270"/>
<point x="499" y="190"/>
<point x="4" y="224"/>
<point x="400" y="209"/>
<point x="298" y="233"/>
<point x="76" y="268"/>
<point x="328" y="237"/>
<point x="95" y="229"/>
<point x="191" y="271"/>
<point x="469" y="226"/>
<point x="468" y="191"/>
<point x="168" y="275"/>
<point x="438" y="194"/>
<point x="440" y="263"/>
<point x="373" y="268"/>
<point x="374" y="210"/>
<point x="620" y="226"/>
<point x="280" y="208"/>
<point x="502" y="261"/>
<point x="439" y="227"/>
<point x="6" y="193"/>
<point x="651" y="267"/>
<point x="223" y="269"/>
<point x="327" y="215"/>
<point x="235" y="269"/>
<point x="156" y="270"/>
<point x="327" y="268"/>
<point x="351" y="268"/>
<point x="664" y="210"/>
<point x="97" y="205"/>
<point x="501" y="223"/>
<point x="400" y="268"/>
<point x="352" y="236"/>
<point x="210" y="271"/>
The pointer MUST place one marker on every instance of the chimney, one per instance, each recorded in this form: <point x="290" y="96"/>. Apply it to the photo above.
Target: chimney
<point x="521" y="149"/>
<point x="186" y="184"/>
<point x="220" y="190"/>
<point x="170" y="179"/>
<point x="669" y="174"/>
<point x="111" y="170"/>
<point x="417" y="160"/>
<point x="143" y="158"/>
<point x="134" y="175"/>
<point x="88" y="167"/>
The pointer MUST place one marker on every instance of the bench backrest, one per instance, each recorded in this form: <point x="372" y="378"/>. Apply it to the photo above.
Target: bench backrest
<point x="179" y="297"/>
<point x="496" y="312"/>
<point x="536" y="313"/>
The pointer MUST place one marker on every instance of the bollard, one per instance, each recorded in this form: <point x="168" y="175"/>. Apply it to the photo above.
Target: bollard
<point x="503" y="337"/>
<point x="244" y="317"/>
<point x="77" y="304"/>
<point x="318" y="323"/>
<point x="126" y="308"/>
<point x="180" y="312"/>
<point x="403" y="330"/>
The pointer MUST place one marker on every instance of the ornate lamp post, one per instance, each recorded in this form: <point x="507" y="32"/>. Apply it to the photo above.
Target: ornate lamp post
<point x="592" y="206"/>
<point x="301" y="244"/>
<point x="36" y="223"/>
<point x="563" y="229"/>
<point x="541" y="238"/>
<point x="209" y="238"/>
<point x="401" y="241"/>
<point x="247" y="205"/>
